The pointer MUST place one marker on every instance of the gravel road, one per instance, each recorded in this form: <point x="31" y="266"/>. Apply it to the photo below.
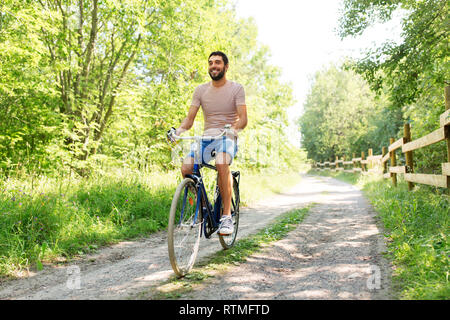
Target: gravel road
<point x="335" y="253"/>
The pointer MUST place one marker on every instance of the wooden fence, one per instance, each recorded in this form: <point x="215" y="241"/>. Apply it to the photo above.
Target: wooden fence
<point x="379" y="163"/>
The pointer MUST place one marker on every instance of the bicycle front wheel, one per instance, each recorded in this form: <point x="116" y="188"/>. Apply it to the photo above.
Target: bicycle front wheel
<point x="184" y="228"/>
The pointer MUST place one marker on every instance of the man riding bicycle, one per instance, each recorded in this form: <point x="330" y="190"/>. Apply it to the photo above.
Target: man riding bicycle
<point x="222" y="102"/>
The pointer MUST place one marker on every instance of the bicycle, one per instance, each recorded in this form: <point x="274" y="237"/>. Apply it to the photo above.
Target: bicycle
<point x="193" y="215"/>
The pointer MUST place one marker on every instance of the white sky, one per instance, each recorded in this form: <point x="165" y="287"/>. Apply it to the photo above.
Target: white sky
<point x="301" y="37"/>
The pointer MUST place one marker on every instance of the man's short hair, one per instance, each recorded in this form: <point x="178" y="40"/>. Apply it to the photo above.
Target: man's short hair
<point x="220" y="53"/>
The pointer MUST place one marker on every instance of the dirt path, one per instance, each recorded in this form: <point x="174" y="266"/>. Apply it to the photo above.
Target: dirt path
<point x="333" y="254"/>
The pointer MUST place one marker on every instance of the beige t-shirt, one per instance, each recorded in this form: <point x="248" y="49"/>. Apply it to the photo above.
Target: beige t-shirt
<point x="219" y="105"/>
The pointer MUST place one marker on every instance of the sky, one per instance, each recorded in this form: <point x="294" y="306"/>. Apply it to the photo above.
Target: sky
<point x="302" y="40"/>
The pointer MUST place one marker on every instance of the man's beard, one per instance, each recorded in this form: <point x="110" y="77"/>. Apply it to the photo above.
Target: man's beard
<point x="219" y="75"/>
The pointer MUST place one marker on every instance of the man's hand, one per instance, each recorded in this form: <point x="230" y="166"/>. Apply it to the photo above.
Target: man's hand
<point x="170" y="134"/>
<point x="231" y="130"/>
<point x="179" y="131"/>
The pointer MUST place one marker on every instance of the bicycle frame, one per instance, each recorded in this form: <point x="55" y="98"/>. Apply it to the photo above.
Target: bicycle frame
<point x="208" y="212"/>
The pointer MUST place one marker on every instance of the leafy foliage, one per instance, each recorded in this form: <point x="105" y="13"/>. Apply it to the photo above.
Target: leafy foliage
<point x="407" y="77"/>
<point x="91" y="84"/>
<point x="410" y="68"/>
<point x="343" y="117"/>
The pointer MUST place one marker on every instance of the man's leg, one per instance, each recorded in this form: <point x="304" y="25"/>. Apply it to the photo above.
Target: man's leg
<point x="188" y="166"/>
<point x="225" y="181"/>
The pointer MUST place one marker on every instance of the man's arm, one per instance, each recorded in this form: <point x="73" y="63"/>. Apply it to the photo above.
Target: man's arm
<point x="242" y="122"/>
<point x="187" y="123"/>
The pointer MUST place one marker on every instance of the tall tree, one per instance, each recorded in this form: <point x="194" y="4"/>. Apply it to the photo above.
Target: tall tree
<point x="413" y="72"/>
<point x="27" y="98"/>
<point x="106" y="78"/>
<point x="91" y="47"/>
<point x="407" y="69"/>
<point x="339" y="116"/>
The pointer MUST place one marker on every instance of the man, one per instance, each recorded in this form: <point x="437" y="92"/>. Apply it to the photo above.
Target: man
<point x="222" y="102"/>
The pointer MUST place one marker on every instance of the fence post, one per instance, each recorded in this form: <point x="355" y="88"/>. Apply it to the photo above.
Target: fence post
<point x="353" y="162"/>
<point x="408" y="154"/>
<point x="447" y="106"/>
<point x="393" y="163"/>
<point x="363" y="157"/>
<point x="383" y="152"/>
<point x="370" y="164"/>
<point x="337" y="164"/>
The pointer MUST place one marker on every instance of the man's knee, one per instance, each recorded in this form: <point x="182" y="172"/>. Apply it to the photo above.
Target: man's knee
<point x="223" y="159"/>
<point x="223" y="169"/>
<point x="187" y="167"/>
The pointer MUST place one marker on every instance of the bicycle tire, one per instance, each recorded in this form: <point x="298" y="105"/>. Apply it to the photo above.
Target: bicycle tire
<point x="228" y="241"/>
<point x="183" y="232"/>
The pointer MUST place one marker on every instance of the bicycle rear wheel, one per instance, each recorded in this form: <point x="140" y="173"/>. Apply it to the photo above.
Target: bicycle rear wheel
<point x="184" y="228"/>
<point x="228" y="241"/>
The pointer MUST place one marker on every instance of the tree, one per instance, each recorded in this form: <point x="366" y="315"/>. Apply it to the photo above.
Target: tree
<point x="340" y="114"/>
<point x="28" y="121"/>
<point x="91" y="47"/>
<point x="105" y="79"/>
<point x="412" y="73"/>
<point x="407" y="69"/>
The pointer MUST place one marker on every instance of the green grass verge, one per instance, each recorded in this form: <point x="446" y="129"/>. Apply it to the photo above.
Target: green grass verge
<point x="223" y="260"/>
<point x="417" y="230"/>
<point x="45" y="220"/>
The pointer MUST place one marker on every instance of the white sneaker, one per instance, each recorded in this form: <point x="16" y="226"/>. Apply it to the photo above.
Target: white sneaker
<point x="226" y="226"/>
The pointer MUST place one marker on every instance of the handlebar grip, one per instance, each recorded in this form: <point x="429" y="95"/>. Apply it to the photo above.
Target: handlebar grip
<point x="170" y="134"/>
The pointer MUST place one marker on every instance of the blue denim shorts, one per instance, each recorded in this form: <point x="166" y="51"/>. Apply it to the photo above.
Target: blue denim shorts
<point x="210" y="148"/>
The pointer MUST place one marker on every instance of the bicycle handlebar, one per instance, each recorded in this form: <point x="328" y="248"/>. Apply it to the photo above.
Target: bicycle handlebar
<point x="172" y="136"/>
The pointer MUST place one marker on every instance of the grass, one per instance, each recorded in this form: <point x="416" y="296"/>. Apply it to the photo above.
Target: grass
<point x="47" y="220"/>
<point x="417" y="230"/>
<point x="222" y="261"/>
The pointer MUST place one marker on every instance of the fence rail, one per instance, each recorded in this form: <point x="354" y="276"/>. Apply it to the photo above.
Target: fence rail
<point x="378" y="164"/>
